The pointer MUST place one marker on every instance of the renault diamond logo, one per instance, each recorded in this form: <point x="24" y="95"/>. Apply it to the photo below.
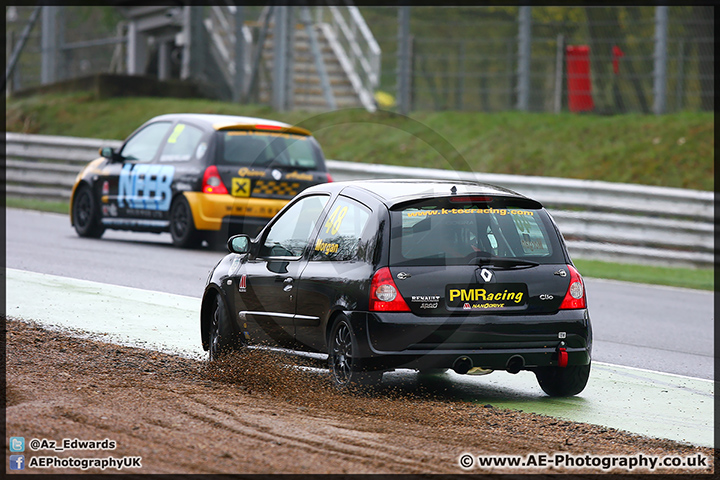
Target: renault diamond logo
<point x="486" y="274"/>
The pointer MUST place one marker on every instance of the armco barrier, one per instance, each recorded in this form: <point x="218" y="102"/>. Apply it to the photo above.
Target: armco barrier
<point x="600" y="220"/>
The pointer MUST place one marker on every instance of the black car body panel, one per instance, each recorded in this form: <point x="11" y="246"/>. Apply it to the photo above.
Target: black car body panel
<point x="501" y="300"/>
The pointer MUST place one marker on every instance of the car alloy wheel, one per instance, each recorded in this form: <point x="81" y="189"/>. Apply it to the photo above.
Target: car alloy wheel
<point x="221" y="336"/>
<point x="182" y="226"/>
<point x="85" y="216"/>
<point x="343" y="358"/>
<point x="341" y="355"/>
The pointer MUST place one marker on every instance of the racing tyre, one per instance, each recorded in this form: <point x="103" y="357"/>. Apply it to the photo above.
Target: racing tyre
<point x="86" y="214"/>
<point x="182" y="226"/>
<point x="222" y="337"/>
<point x="343" y="360"/>
<point x="563" y="382"/>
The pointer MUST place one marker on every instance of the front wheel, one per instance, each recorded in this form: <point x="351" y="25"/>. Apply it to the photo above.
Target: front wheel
<point x="86" y="215"/>
<point x="182" y="226"/>
<point x="344" y="360"/>
<point x="222" y="337"/>
<point x="563" y="381"/>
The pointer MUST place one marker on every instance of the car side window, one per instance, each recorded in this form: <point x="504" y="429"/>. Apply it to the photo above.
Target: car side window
<point x="143" y="146"/>
<point x="340" y="236"/>
<point x="181" y="145"/>
<point x="290" y="234"/>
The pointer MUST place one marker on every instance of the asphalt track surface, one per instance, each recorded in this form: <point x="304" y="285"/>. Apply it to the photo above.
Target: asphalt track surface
<point x="656" y="328"/>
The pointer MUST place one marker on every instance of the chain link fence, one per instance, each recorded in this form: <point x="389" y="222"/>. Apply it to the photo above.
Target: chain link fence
<point x="465" y="58"/>
<point x="86" y="40"/>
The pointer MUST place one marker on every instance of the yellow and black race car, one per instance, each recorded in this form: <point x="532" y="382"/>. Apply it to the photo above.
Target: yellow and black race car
<point x="197" y="176"/>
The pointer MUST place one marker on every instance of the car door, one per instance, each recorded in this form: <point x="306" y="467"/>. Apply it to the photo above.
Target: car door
<point x="129" y="188"/>
<point x="338" y="270"/>
<point x="266" y="293"/>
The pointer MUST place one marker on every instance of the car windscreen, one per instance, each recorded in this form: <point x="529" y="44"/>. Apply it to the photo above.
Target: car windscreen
<point x="268" y="149"/>
<point x="444" y="231"/>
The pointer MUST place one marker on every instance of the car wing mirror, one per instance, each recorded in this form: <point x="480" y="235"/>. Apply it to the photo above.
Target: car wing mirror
<point x="110" y="153"/>
<point x="239" y="244"/>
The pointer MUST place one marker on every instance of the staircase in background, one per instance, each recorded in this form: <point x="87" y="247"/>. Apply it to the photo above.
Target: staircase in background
<point x="349" y="53"/>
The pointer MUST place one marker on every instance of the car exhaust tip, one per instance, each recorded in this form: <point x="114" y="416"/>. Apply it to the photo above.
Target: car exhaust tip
<point x="462" y="365"/>
<point x="515" y="364"/>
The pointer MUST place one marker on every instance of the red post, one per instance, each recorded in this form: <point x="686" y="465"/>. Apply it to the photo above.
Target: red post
<point x="578" y="78"/>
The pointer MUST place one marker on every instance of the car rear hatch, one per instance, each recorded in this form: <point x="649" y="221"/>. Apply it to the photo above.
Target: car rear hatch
<point x="268" y="164"/>
<point x="482" y="255"/>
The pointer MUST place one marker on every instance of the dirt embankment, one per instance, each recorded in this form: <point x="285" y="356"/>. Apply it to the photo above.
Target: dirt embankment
<point x="255" y="414"/>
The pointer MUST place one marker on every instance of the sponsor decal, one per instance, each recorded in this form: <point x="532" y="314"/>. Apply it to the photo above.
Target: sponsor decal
<point x="176" y="133"/>
<point x="263" y="187"/>
<point x="240" y="187"/>
<point x="249" y="172"/>
<point x="242" y="286"/>
<point x="276" y="174"/>
<point x="488" y="296"/>
<point x="201" y="149"/>
<point x="326" y="248"/>
<point x="110" y="210"/>
<point x="145" y="187"/>
<point x="458" y="211"/>
<point x="299" y="176"/>
<point x="255" y="211"/>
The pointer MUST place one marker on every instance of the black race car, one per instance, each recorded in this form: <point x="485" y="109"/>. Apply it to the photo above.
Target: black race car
<point x="423" y="275"/>
<point x="198" y="176"/>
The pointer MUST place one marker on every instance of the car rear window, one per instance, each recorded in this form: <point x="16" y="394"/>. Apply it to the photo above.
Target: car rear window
<point x="441" y="231"/>
<point x="265" y="149"/>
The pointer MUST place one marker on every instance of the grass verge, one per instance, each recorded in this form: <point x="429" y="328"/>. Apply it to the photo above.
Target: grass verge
<point x="697" y="278"/>
<point x="702" y="279"/>
<point x="674" y="150"/>
<point x="40" y="205"/>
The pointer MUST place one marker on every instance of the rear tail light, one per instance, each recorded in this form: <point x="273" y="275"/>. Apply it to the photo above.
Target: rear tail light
<point x="575" y="296"/>
<point x="384" y="295"/>
<point x="212" y="183"/>
<point x="329" y="178"/>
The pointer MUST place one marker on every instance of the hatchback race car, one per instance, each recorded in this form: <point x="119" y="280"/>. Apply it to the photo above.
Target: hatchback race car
<point x="390" y="274"/>
<point x="197" y="176"/>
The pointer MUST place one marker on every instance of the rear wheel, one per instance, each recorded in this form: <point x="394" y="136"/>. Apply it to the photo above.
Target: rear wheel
<point x="222" y="337"/>
<point x="343" y="359"/>
<point x="182" y="226"/>
<point x="563" y="381"/>
<point x="86" y="214"/>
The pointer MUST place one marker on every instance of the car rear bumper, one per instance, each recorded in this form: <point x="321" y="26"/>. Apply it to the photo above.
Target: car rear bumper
<point x="403" y="340"/>
<point x="210" y="210"/>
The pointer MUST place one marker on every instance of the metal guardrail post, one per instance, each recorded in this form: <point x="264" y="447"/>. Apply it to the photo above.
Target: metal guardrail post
<point x="523" y="67"/>
<point x="239" y="79"/>
<point x="403" y="73"/>
<point x="660" y="60"/>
